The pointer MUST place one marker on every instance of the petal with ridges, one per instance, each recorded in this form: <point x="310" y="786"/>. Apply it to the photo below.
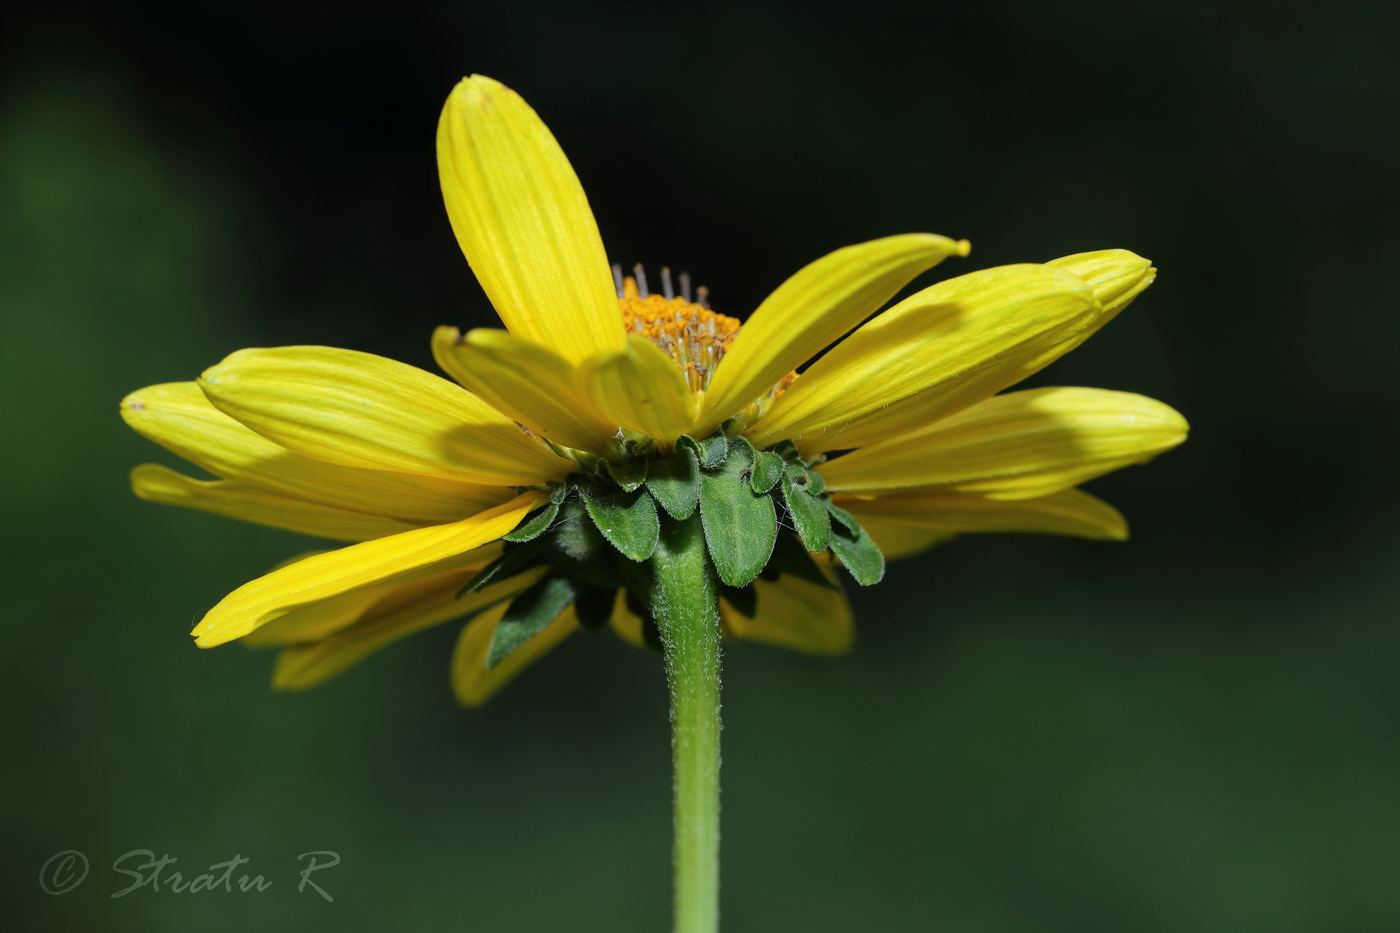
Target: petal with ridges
<point x="811" y="310"/>
<point x="641" y="389"/>
<point x="535" y="386"/>
<point x="1117" y="276"/>
<point x="913" y="363"/>
<point x="180" y="418"/>
<point x="524" y="223"/>
<point x="409" y="609"/>
<point x="472" y="681"/>
<point x="156" y="483"/>
<point x="260" y="601"/>
<point x="897" y="539"/>
<point x="361" y="410"/>
<point x="320" y="619"/>
<point x="1017" y="446"/>
<point x="798" y="614"/>
<point x="1073" y="512"/>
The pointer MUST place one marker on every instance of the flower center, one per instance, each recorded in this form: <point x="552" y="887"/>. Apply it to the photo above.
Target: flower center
<point x="690" y="333"/>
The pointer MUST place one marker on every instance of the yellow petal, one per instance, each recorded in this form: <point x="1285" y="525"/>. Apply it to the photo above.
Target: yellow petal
<point x="1116" y="276"/>
<point x="523" y="222"/>
<point x="361" y="410"/>
<point x="811" y="310"/>
<point x="1072" y="512"/>
<point x="320" y="619"/>
<point x="626" y="623"/>
<point x="938" y="350"/>
<point x="232" y="500"/>
<point x="535" y="386"/>
<point x="641" y="389"/>
<point x="1017" y="446"/>
<point x="401" y="613"/>
<point x="181" y="419"/>
<point x="795" y="613"/>
<point x="897" y="539"/>
<point x="472" y="681"/>
<point x="327" y="575"/>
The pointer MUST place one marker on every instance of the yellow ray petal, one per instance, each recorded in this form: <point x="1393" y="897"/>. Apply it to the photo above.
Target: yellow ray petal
<point x="537" y="387"/>
<point x="320" y="619"/>
<point x="232" y="500"/>
<point x="811" y="310"/>
<point x="1116" y="276"/>
<point x="181" y="419"/>
<point x="641" y="389"/>
<point x="626" y="623"/>
<point x="472" y="681"/>
<point x="523" y="222"/>
<point x="1017" y="446"/>
<point x="1072" y="512"/>
<point x="897" y="539"/>
<point x="326" y="575"/>
<point x="795" y="613"/>
<point x="915" y="362"/>
<point x="361" y="410"/>
<point x="401" y="613"/>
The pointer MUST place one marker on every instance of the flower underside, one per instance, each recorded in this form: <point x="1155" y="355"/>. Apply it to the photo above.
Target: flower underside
<point x="639" y="409"/>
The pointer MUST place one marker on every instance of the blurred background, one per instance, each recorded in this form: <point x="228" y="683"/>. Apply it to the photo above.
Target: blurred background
<point x="1195" y="731"/>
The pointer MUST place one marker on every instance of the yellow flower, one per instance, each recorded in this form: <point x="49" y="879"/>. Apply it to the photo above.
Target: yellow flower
<point x="896" y="432"/>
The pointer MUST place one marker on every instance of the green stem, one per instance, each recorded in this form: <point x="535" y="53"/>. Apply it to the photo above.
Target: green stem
<point x="685" y="603"/>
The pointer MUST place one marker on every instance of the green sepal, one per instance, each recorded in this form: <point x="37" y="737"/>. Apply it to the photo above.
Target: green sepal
<point x="767" y="470"/>
<point x="711" y="451"/>
<point x="574" y="534"/>
<point x="809" y="516"/>
<point x="744" y="600"/>
<point x="740" y="526"/>
<point x="528" y="615"/>
<point x="629" y="473"/>
<point x="859" y="554"/>
<point x="675" y="482"/>
<point x="627" y="519"/>
<point x="787" y="450"/>
<point x="513" y="560"/>
<point x="533" y="527"/>
<point x="594" y="607"/>
<point x="790" y="557"/>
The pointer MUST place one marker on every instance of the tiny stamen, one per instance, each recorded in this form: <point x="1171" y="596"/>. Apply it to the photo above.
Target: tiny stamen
<point x="666" y="283"/>
<point x="685" y="286"/>
<point x="641" y="276"/>
<point x="617" y="277"/>
<point x="704" y="295"/>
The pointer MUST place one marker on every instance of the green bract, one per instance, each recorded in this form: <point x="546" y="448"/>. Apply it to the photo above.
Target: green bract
<point x="764" y="514"/>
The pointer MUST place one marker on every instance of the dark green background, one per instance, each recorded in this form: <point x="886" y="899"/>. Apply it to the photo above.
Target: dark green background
<point x="1196" y="731"/>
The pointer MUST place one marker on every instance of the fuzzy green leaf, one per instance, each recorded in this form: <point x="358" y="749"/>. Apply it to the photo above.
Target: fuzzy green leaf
<point x="767" y="470"/>
<point x="528" y="615"/>
<point x="711" y="450"/>
<point x="535" y="526"/>
<point x="675" y="482"/>
<point x="740" y="526"/>
<point x="809" y="516"/>
<point x="627" y="519"/>
<point x="858" y="553"/>
<point x="629" y="474"/>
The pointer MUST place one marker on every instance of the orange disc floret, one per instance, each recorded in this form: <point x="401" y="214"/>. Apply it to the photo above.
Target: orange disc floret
<point x="691" y="334"/>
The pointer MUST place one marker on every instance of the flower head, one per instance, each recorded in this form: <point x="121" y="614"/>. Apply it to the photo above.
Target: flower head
<point x="527" y="494"/>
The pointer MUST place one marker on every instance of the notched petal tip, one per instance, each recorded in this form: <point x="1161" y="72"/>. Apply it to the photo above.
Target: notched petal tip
<point x="1117" y="276"/>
